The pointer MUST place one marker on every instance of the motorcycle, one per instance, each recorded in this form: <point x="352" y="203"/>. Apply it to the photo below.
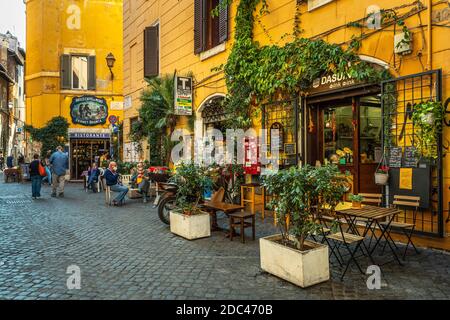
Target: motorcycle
<point x="165" y="201"/>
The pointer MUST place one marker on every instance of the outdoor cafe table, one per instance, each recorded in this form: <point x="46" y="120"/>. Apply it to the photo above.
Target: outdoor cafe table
<point x="374" y="215"/>
<point x="227" y="208"/>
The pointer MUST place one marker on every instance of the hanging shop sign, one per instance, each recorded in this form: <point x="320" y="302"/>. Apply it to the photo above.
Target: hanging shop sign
<point x="88" y="110"/>
<point x="183" y="96"/>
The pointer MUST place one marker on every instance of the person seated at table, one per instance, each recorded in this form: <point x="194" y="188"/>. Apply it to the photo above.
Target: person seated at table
<point x="93" y="175"/>
<point x="140" y="179"/>
<point x="112" y="180"/>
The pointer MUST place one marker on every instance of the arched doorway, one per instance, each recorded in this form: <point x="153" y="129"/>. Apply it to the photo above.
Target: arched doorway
<point x="210" y="114"/>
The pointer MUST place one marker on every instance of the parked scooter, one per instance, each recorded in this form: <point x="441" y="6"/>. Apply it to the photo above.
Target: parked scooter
<point x="165" y="201"/>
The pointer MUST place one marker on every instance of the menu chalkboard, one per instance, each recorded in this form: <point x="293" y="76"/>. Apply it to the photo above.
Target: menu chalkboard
<point x="410" y="160"/>
<point x="289" y="148"/>
<point x="395" y="157"/>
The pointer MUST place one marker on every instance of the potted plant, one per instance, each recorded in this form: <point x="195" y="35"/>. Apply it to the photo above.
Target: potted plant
<point x="382" y="175"/>
<point x="299" y="193"/>
<point x="187" y="220"/>
<point x="356" y="200"/>
<point x="427" y="118"/>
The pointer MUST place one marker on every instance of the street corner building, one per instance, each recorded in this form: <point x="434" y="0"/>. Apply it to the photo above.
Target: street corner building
<point x="12" y="104"/>
<point x="338" y="118"/>
<point x="76" y="71"/>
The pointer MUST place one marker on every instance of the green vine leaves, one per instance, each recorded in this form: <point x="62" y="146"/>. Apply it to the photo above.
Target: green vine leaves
<point x="255" y="73"/>
<point x="428" y="117"/>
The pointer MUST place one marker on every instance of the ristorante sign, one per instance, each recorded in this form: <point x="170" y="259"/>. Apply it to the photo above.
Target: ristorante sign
<point x="89" y="135"/>
<point x="88" y="110"/>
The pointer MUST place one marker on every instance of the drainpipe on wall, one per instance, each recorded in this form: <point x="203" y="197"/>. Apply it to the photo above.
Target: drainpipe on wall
<point x="430" y="5"/>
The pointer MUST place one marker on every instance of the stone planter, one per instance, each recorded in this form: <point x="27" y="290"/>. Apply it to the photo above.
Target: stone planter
<point x="302" y="268"/>
<point x="190" y="227"/>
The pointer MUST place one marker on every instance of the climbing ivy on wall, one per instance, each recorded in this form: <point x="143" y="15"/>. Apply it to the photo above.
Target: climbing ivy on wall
<point x="255" y="73"/>
<point x="48" y="135"/>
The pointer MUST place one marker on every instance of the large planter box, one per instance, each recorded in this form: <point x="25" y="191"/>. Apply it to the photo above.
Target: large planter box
<point x="190" y="227"/>
<point x="303" y="268"/>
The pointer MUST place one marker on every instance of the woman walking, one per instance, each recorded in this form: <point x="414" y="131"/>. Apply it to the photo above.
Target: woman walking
<point x="36" y="178"/>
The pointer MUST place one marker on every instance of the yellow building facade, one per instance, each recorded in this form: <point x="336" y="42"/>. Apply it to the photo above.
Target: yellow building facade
<point x="419" y="65"/>
<point x="68" y="74"/>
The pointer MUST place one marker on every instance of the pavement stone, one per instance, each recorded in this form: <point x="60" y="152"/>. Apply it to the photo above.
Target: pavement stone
<point x="128" y="253"/>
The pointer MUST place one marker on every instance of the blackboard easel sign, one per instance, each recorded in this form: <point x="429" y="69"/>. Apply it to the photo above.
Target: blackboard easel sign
<point x="410" y="159"/>
<point x="395" y="157"/>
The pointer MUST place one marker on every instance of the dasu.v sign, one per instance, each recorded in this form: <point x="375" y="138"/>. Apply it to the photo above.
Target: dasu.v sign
<point x="333" y="81"/>
<point x="89" y="110"/>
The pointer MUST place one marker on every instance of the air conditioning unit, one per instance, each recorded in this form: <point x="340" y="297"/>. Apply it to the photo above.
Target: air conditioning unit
<point x="403" y="43"/>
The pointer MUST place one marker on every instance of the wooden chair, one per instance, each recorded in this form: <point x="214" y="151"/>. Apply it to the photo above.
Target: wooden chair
<point x="243" y="223"/>
<point x="250" y="188"/>
<point x="339" y="239"/>
<point x="374" y="199"/>
<point x="218" y="195"/>
<point x="405" y="203"/>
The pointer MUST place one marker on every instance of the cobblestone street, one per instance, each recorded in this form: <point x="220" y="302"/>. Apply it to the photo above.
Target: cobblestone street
<point x="128" y="253"/>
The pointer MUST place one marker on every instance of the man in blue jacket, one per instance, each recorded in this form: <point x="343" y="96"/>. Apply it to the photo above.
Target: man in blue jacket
<point x="60" y="164"/>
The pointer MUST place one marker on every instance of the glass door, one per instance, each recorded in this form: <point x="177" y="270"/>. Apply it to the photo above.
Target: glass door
<point x="338" y="136"/>
<point x="370" y="151"/>
<point x="349" y="136"/>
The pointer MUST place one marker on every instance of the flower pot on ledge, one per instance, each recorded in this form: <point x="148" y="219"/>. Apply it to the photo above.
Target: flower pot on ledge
<point x="190" y="226"/>
<point x="302" y="268"/>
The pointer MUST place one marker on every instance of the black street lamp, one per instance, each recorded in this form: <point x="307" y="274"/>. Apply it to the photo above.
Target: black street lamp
<point x="110" y="62"/>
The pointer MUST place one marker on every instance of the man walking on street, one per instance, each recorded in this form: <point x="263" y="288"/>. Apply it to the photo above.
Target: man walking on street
<point x="60" y="164"/>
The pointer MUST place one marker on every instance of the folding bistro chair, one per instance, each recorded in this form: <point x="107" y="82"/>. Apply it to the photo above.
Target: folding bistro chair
<point x="340" y="239"/>
<point x="374" y="199"/>
<point x="406" y="203"/>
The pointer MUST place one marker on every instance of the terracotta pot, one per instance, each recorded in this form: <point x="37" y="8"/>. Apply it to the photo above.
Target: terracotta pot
<point x="356" y="204"/>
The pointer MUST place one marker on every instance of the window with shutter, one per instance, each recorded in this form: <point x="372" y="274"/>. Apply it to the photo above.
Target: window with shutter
<point x="223" y="24"/>
<point x="199" y="26"/>
<point x="151" y="51"/>
<point x="92" y="78"/>
<point x="65" y="72"/>
<point x="79" y="67"/>
<point x="209" y="30"/>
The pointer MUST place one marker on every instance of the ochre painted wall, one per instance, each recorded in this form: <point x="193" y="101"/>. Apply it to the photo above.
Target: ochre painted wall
<point x="56" y="27"/>
<point x="176" y="19"/>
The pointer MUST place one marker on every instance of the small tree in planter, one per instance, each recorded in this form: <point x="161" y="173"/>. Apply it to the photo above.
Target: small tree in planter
<point x="188" y="220"/>
<point x="299" y="194"/>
